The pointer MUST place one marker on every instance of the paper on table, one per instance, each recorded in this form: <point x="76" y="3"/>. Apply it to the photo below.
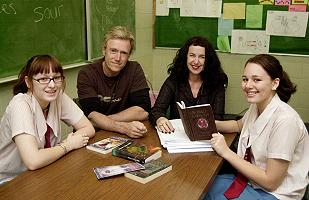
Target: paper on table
<point x="189" y="150"/>
<point x="178" y="141"/>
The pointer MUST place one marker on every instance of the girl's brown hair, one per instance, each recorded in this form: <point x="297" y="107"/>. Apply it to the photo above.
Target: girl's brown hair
<point x="35" y="65"/>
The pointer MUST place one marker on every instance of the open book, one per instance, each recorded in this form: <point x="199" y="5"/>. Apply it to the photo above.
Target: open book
<point x="198" y="121"/>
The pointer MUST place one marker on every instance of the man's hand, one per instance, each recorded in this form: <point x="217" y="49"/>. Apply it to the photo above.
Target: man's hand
<point x="134" y="129"/>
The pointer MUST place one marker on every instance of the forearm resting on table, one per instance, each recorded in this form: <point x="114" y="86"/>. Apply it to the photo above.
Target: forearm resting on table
<point x="229" y="126"/>
<point x="84" y="127"/>
<point x="134" y="113"/>
<point x="270" y="178"/>
<point x="33" y="157"/>
<point x="104" y="122"/>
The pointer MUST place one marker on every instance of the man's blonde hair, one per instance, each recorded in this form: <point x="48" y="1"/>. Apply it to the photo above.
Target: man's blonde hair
<point x="119" y="32"/>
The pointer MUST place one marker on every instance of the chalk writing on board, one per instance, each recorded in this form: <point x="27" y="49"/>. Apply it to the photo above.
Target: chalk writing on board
<point x="8" y="9"/>
<point x="107" y="17"/>
<point x="47" y="13"/>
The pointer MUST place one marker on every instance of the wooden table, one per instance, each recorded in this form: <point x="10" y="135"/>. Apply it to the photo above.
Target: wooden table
<point x="72" y="176"/>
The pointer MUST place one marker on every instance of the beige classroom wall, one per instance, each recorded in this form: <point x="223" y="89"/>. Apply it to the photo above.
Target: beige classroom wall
<point x="155" y="61"/>
<point x="297" y="67"/>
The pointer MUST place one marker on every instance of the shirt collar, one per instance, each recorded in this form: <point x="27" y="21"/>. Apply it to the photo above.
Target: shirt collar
<point x="40" y="119"/>
<point x="259" y="122"/>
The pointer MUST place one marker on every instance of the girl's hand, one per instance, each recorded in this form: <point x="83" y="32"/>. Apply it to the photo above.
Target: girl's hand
<point x="75" y="141"/>
<point x="218" y="144"/>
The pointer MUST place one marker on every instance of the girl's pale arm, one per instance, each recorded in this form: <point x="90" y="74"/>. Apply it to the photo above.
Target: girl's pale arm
<point x="229" y="126"/>
<point x="35" y="158"/>
<point x="270" y="178"/>
<point x="84" y="127"/>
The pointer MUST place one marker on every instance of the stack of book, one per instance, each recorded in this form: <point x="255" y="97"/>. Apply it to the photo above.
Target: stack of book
<point x="179" y="142"/>
<point x="137" y="152"/>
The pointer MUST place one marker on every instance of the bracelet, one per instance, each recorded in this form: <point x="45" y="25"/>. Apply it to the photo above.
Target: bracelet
<point x="64" y="148"/>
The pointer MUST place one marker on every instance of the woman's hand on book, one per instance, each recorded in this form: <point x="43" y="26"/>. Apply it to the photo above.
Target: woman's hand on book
<point x="164" y="125"/>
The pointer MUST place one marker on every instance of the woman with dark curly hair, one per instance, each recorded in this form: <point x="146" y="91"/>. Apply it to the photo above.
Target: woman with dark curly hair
<point x="195" y="77"/>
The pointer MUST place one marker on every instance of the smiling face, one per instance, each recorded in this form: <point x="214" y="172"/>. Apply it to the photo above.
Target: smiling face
<point x="47" y="92"/>
<point x="117" y="53"/>
<point x="196" y="59"/>
<point x="258" y="86"/>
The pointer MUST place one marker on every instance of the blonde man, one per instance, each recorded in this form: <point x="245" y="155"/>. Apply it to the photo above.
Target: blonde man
<point x="113" y="91"/>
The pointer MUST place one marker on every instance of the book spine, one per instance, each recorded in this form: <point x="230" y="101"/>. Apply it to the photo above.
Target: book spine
<point x="186" y="122"/>
<point x="120" y="154"/>
<point x="189" y="125"/>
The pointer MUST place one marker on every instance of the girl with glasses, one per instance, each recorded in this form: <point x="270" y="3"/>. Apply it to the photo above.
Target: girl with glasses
<point x="30" y="132"/>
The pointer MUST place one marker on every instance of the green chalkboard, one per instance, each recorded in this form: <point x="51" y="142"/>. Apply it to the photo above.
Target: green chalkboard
<point x="104" y="15"/>
<point x="173" y="30"/>
<point x="29" y="27"/>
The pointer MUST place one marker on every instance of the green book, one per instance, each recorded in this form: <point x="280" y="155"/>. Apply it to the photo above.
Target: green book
<point x="153" y="169"/>
<point x="136" y="152"/>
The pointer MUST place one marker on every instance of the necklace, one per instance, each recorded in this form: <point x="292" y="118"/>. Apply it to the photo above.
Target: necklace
<point x="45" y="109"/>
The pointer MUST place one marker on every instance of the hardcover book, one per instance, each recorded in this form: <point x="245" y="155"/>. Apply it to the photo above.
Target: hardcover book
<point x="106" y="145"/>
<point x="108" y="171"/>
<point x="153" y="169"/>
<point x="198" y="121"/>
<point x="136" y="152"/>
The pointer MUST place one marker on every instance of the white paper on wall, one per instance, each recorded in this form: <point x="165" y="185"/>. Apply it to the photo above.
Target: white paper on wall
<point x="161" y="8"/>
<point x="250" y="42"/>
<point x="285" y="23"/>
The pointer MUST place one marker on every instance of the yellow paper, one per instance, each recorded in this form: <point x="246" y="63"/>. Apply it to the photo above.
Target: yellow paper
<point x="234" y="10"/>
<point x="267" y="2"/>
<point x="299" y="1"/>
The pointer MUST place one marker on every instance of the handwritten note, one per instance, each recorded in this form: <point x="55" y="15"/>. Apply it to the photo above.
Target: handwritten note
<point x="201" y="8"/>
<point x="297" y="8"/>
<point x="250" y="42"/>
<point x="284" y="23"/>
<point x="173" y="3"/>
<point x="161" y="8"/>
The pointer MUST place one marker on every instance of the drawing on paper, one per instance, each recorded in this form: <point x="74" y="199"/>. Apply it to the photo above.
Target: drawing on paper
<point x="250" y="42"/>
<point x="284" y="23"/>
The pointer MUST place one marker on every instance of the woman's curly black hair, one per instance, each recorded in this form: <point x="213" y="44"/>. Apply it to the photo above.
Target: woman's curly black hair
<point x="212" y="73"/>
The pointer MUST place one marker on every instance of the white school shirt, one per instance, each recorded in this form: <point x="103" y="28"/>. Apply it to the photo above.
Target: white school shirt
<point x="25" y="115"/>
<point x="278" y="133"/>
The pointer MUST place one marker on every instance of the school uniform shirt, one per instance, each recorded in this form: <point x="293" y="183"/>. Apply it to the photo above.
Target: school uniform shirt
<point x="24" y="115"/>
<point x="278" y="133"/>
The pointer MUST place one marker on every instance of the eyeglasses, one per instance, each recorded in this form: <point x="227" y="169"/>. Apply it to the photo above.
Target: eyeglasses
<point x="45" y="80"/>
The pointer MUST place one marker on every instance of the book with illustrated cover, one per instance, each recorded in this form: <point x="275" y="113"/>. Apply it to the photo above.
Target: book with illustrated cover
<point x="198" y="121"/>
<point x="107" y="145"/>
<point x="108" y="171"/>
<point x="137" y="152"/>
<point x="153" y="169"/>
